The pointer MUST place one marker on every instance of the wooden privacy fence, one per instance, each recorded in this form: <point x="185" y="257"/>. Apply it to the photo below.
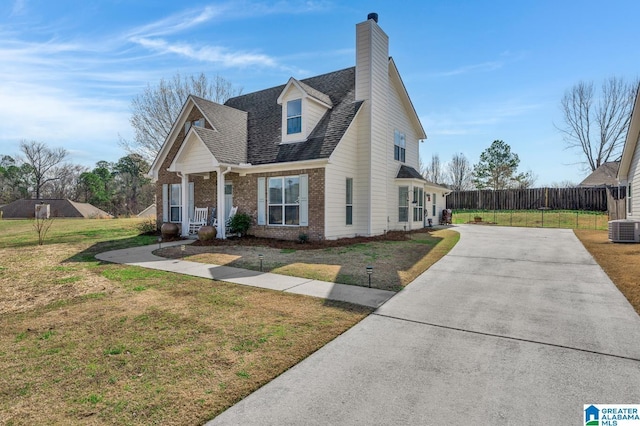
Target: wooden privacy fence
<point x="593" y="199"/>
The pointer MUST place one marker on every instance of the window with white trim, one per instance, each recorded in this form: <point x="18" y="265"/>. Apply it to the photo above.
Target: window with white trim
<point x="418" y="204"/>
<point x="283" y="201"/>
<point x="349" y="201"/>
<point x="399" y="146"/>
<point x="403" y="204"/>
<point x="175" y="202"/>
<point x="294" y="116"/>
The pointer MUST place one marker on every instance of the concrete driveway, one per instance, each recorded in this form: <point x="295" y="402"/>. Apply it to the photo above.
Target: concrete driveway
<point x="513" y="326"/>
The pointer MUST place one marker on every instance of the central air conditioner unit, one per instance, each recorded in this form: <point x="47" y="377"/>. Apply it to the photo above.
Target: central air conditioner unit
<point x="624" y="231"/>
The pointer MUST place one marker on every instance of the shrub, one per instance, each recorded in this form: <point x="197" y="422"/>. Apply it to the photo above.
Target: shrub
<point x="303" y="238"/>
<point x="240" y="223"/>
<point x="148" y="226"/>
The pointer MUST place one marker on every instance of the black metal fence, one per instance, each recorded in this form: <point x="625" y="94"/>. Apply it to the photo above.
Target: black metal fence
<point x="592" y="199"/>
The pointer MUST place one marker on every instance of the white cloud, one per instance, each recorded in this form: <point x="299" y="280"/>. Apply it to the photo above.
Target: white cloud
<point x="178" y="22"/>
<point x="483" y="67"/>
<point x="215" y="54"/>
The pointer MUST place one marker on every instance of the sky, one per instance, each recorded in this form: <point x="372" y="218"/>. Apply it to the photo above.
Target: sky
<point x="476" y="71"/>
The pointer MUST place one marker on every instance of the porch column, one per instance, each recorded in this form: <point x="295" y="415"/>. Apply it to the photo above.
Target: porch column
<point x="185" y="204"/>
<point x="221" y="232"/>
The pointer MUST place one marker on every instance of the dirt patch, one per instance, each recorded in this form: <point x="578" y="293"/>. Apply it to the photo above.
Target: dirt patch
<point x="397" y="257"/>
<point x="621" y="262"/>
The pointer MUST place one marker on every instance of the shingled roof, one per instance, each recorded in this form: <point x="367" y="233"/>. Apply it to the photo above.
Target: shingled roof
<point x="407" y="172"/>
<point x="228" y="142"/>
<point x="264" y="123"/>
<point x="605" y="175"/>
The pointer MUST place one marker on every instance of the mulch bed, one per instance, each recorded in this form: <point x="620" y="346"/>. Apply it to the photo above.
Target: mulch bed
<point x="249" y="240"/>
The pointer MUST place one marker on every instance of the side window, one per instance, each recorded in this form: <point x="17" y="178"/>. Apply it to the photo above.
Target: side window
<point x="399" y="146"/>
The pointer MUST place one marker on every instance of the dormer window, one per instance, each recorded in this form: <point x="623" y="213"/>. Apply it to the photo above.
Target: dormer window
<point x="294" y="116"/>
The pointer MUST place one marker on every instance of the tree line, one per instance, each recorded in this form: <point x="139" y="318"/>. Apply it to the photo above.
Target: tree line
<point x="42" y="172"/>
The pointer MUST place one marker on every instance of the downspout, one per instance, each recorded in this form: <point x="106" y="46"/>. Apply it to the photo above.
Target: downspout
<point x="222" y="231"/>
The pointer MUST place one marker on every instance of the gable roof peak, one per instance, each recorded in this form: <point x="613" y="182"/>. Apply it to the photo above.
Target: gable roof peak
<point x="307" y="90"/>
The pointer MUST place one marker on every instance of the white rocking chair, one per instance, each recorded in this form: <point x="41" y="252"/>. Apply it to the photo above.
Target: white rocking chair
<point x="199" y="220"/>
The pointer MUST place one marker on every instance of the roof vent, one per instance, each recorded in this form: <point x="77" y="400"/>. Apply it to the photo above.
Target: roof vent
<point x="373" y="16"/>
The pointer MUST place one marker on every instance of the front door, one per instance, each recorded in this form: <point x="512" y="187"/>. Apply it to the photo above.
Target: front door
<point x="228" y="199"/>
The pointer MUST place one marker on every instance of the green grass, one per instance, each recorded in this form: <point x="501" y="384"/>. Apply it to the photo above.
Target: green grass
<point x="85" y="341"/>
<point x="569" y="219"/>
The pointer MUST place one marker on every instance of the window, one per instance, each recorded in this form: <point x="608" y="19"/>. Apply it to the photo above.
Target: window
<point x="434" y="204"/>
<point x="284" y="200"/>
<point x="418" y="204"/>
<point x="403" y="204"/>
<point x="399" y="146"/>
<point x="175" y="202"/>
<point x="294" y="116"/>
<point x="349" y="201"/>
<point x="196" y="123"/>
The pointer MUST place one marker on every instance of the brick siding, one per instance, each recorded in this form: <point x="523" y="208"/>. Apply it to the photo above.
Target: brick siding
<point x="245" y="194"/>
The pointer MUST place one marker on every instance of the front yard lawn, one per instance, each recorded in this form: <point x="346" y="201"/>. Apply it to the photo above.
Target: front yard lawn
<point x="83" y="341"/>
<point x="397" y="259"/>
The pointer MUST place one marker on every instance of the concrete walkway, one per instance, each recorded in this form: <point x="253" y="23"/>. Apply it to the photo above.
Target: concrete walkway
<point x="144" y="257"/>
<point x="514" y="326"/>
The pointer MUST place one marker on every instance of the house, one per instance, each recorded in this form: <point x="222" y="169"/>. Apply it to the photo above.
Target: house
<point x="149" y="211"/>
<point x="328" y="157"/>
<point x="604" y="176"/>
<point x="24" y="209"/>
<point x="629" y="172"/>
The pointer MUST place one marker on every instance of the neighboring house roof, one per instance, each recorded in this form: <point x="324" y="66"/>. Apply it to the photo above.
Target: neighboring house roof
<point x="630" y="143"/>
<point x="58" y="208"/>
<point x="605" y="175"/>
<point x="149" y="211"/>
<point x="265" y="120"/>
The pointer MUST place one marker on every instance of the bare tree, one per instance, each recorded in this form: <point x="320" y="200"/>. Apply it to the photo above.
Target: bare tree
<point x="433" y="171"/>
<point x="597" y="126"/>
<point x="460" y="173"/>
<point x="525" y="180"/>
<point x="42" y="160"/>
<point x="68" y="183"/>
<point x="156" y="109"/>
<point x="563" y="184"/>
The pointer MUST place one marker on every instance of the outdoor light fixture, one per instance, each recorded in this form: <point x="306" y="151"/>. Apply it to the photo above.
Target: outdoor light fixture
<point x="159" y="242"/>
<point x="182" y="249"/>
<point x="261" y="257"/>
<point x="369" y="272"/>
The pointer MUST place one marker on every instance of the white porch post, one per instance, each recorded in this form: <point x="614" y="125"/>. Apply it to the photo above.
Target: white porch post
<point x="185" y="204"/>
<point x="221" y="232"/>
